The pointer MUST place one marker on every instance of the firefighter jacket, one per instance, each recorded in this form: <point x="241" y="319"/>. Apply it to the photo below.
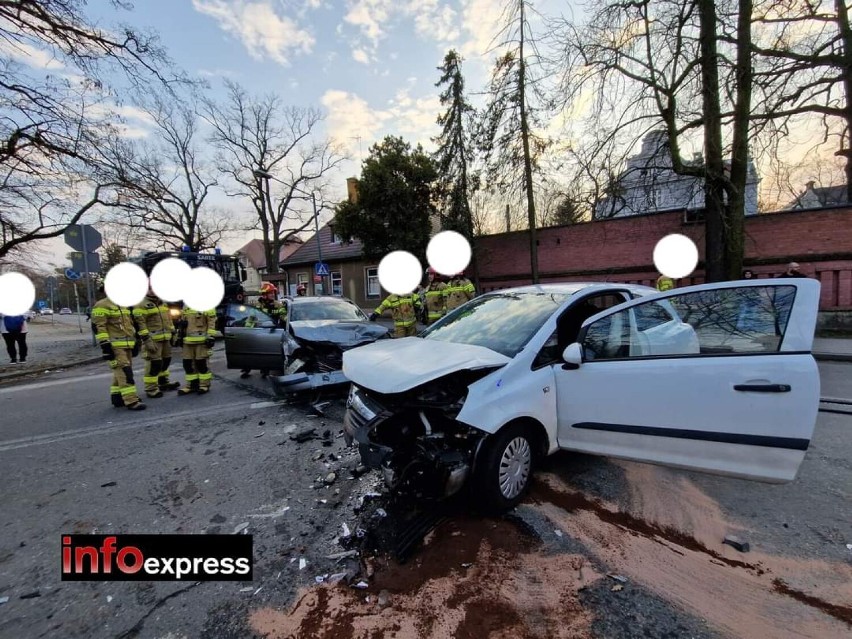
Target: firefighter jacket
<point x="276" y="310"/>
<point x="403" y="308"/>
<point x="154" y="320"/>
<point x="113" y="324"/>
<point x="459" y="291"/>
<point x="198" y="325"/>
<point x="436" y="301"/>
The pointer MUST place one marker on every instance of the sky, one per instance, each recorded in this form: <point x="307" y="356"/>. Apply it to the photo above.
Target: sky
<point x="369" y="65"/>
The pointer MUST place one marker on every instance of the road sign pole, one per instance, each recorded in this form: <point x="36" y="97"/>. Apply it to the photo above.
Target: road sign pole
<point x="319" y="243"/>
<point x="88" y="279"/>
<point x="77" y="299"/>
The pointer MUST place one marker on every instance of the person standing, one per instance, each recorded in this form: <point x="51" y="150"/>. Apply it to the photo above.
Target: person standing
<point x="155" y="328"/>
<point x="459" y="290"/>
<point x="275" y="309"/>
<point x="793" y="271"/>
<point x="404" y="309"/>
<point x="116" y="335"/>
<point x="436" y="297"/>
<point x="14" y="329"/>
<point x="665" y="283"/>
<point x="199" y="332"/>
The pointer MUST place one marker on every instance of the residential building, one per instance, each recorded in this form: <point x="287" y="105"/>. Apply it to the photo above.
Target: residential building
<point x="253" y="258"/>
<point x="350" y="275"/>
<point x="649" y="185"/>
<point x="817" y="197"/>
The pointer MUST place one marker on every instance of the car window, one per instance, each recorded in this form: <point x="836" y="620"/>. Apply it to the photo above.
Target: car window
<point x="326" y="309"/>
<point x="721" y="321"/>
<point x="241" y="315"/>
<point x="503" y="322"/>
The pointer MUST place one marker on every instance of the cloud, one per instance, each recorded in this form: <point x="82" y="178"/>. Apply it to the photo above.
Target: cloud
<point x="369" y="15"/>
<point x="434" y="20"/>
<point x="263" y="32"/>
<point x="481" y="20"/>
<point x="30" y="55"/>
<point x="359" y="55"/>
<point x="351" y="120"/>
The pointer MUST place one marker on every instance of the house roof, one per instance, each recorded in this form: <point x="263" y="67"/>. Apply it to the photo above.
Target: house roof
<point x="254" y="253"/>
<point x="307" y="253"/>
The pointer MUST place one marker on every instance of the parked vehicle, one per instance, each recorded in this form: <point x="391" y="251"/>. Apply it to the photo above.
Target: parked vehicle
<point x="716" y="378"/>
<point x="65" y="311"/>
<point x="308" y="350"/>
<point x="45" y="311"/>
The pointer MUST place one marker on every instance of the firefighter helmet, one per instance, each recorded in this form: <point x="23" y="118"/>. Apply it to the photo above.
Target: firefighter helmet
<point x="267" y="288"/>
<point x="431" y="271"/>
<point x="302" y="289"/>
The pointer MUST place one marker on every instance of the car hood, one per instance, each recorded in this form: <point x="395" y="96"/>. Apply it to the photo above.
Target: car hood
<point x="395" y="366"/>
<point x="342" y="333"/>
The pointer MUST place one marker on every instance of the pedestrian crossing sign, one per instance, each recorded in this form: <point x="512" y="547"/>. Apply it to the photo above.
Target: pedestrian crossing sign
<point x="321" y="268"/>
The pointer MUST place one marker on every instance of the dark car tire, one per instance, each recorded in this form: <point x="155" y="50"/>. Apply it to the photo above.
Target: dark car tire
<point x="504" y="469"/>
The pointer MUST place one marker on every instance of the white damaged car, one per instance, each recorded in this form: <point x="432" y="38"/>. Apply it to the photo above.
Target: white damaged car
<point x="717" y="378"/>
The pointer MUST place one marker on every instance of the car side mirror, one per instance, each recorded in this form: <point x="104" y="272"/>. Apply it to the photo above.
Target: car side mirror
<point x="572" y="356"/>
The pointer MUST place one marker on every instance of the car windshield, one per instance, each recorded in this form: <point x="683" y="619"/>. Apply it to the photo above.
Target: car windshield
<point x="503" y="322"/>
<point x="325" y="309"/>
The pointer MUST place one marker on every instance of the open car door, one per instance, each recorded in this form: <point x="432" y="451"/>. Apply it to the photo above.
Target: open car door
<point x="717" y="378"/>
<point x="252" y="339"/>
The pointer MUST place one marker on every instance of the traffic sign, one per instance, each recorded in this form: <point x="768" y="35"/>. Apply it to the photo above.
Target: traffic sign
<point x="321" y="268"/>
<point x="93" y="263"/>
<point x="42" y="303"/>
<point x="83" y="237"/>
<point x="72" y="275"/>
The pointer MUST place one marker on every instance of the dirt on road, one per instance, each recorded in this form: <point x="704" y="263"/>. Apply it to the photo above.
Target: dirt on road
<point x="477" y="577"/>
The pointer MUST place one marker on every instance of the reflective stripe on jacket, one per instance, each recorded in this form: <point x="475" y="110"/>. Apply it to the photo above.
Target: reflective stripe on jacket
<point x="113" y="324"/>
<point x="199" y="325"/>
<point x="402" y="308"/>
<point x="436" y="301"/>
<point x="154" y="318"/>
<point x="459" y="291"/>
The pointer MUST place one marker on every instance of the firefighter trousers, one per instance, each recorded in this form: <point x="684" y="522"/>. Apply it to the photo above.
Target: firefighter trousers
<point x="123" y="389"/>
<point x="158" y="358"/>
<point x="405" y="331"/>
<point x="195" y="365"/>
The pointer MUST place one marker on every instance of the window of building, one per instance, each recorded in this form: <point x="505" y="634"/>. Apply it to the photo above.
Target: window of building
<point x="373" y="288"/>
<point x="336" y="283"/>
<point x="335" y="238"/>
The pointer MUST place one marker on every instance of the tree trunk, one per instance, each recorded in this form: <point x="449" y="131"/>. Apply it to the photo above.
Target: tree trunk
<point x="846" y="48"/>
<point x="735" y="228"/>
<point x="714" y="179"/>
<point x="525" y="137"/>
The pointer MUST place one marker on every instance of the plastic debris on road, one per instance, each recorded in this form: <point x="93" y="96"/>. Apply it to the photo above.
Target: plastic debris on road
<point x="618" y="578"/>
<point x="736" y="543"/>
<point x="302" y="564"/>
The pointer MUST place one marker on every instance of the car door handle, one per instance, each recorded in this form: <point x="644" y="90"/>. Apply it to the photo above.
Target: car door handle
<point x="763" y="388"/>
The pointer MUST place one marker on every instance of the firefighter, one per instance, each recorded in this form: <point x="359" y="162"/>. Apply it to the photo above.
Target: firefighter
<point x="116" y="336"/>
<point x="301" y="290"/>
<point x="155" y="327"/>
<point x="436" y="297"/>
<point x="665" y="283"/>
<point x="404" y="309"/>
<point x="199" y="331"/>
<point x="272" y="307"/>
<point x="459" y="290"/>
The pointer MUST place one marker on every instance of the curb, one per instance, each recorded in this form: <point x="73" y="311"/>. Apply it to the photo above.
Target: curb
<point x="38" y="371"/>
<point x="833" y="357"/>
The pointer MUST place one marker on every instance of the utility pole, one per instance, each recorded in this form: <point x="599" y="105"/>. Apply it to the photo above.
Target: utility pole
<point x="319" y="243"/>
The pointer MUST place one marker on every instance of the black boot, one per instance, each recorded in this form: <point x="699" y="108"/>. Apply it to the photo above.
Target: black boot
<point x="116" y="400"/>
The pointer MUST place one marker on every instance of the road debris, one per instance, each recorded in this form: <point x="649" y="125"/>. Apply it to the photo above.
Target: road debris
<point x="736" y="543"/>
<point x="241" y="528"/>
<point x="261" y="423"/>
<point x="381" y="513"/>
<point x="257" y="591"/>
<point x="343" y="555"/>
<point x="320" y="578"/>
<point x="558" y="532"/>
<point x="384" y="599"/>
<point x="3" y="600"/>
<point x="302" y="564"/>
<point x="109" y="484"/>
<point x="336" y="577"/>
<point x="31" y="595"/>
<point x="109" y="598"/>
<point x="361" y="585"/>
<point x="304" y="435"/>
<point x="617" y="588"/>
<point x="260" y="434"/>
<point x="346" y="531"/>
<point x="249" y="589"/>
<point x="330" y="478"/>
<point x="848" y="546"/>
<point x="619" y="578"/>
<point x="317" y="456"/>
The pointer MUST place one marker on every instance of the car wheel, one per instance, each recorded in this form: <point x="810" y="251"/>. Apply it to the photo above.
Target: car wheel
<point x="505" y="468"/>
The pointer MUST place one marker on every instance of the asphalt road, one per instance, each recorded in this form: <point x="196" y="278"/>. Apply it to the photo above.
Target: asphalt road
<point x="214" y="463"/>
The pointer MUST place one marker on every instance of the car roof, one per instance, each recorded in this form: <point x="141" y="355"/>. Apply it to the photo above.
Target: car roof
<point x="302" y="299"/>
<point x="571" y="288"/>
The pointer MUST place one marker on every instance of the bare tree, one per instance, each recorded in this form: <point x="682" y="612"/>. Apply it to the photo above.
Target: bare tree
<point x="166" y="182"/>
<point x="262" y="140"/>
<point x="56" y="74"/>
<point x="508" y="137"/>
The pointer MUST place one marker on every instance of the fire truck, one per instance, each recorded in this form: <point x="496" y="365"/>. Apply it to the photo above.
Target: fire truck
<point x="228" y="267"/>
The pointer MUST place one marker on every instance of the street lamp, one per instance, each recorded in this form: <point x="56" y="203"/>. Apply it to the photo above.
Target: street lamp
<point x="260" y="173"/>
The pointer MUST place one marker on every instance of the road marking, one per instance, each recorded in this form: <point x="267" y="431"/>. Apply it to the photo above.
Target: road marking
<point x="159" y="420"/>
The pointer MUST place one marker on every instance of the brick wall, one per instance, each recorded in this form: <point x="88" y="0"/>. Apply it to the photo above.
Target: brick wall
<point x="621" y="250"/>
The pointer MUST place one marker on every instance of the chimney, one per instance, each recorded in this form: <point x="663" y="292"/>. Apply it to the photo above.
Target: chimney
<point x="352" y="189"/>
<point x="809" y="186"/>
<point x="508" y="220"/>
